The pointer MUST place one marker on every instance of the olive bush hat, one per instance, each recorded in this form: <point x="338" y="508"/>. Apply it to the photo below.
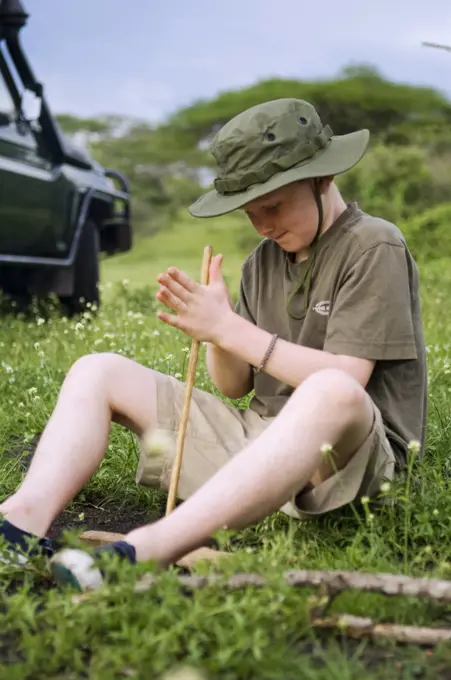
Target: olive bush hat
<point x="271" y="145"/>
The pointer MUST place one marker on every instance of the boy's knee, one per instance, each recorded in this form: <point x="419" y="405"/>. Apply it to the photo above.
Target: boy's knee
<point x="336" y="389"/>
<point x="93" y="368"/>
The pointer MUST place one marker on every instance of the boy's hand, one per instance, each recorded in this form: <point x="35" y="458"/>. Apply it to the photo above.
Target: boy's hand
<point x="200" y="311"/>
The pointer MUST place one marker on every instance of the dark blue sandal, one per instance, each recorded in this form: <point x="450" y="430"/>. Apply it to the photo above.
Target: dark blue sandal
<point x="19" y="547"/>
<point x="79" y="569"/>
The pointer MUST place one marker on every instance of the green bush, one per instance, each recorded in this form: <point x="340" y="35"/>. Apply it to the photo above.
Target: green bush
<point x="405" y="186"/>
<point x="397" y="183"/>
<point x="428" y="234"/>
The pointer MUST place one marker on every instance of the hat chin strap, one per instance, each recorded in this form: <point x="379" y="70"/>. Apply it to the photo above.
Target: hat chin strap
<point x="305" y="283"/>
<point x="319" y="203"/>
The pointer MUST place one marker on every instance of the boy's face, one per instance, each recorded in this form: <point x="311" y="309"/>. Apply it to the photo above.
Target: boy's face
<point x="288" y="215"/>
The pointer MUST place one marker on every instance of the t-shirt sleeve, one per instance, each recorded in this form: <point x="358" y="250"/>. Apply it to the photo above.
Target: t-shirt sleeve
<point x="371" y="315"/>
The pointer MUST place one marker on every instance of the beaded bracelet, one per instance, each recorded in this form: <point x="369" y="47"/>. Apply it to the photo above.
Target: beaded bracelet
<point x="268" y="354"/>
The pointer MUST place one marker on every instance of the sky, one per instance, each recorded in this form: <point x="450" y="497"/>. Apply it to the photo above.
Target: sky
<point x="146" y="58"/>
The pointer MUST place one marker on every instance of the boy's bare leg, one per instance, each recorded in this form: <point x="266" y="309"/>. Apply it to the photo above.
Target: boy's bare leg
<point x="330" y="407"/>
<point x="99" y="388"/>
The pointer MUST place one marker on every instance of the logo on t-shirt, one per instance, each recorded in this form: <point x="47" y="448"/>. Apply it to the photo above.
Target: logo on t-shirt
<point x="322" y="307"/>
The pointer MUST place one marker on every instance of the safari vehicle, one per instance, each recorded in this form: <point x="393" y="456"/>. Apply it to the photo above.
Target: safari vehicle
<point x="59" y="209"/>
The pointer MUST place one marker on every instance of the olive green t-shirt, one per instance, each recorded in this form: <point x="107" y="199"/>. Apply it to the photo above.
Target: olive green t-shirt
<point x="363" y="301"/>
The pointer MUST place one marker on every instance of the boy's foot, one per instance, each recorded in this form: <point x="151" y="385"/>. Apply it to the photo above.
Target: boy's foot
<point x="17" y="547"/>
<point x="78" y="568"/>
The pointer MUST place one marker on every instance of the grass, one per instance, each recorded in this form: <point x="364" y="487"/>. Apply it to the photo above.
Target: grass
<point x="181" y="245"/>
<point x="260" y="634"/>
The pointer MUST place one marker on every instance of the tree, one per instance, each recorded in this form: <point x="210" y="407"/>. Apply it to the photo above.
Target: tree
<point x="358" y="97"/>
<point x="167" y="163"/>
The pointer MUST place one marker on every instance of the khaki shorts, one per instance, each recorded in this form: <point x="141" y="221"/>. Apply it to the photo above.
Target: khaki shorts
<point x="217" y="431"/>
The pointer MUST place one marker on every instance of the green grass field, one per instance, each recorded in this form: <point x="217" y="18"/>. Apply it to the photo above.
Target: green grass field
<point x="254" y="633"/>
<point x="182" y="246"/>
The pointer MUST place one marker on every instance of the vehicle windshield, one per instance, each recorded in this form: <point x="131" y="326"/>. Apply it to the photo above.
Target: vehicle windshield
<point x="6" y="103"/>
<point x="30" y="103"/>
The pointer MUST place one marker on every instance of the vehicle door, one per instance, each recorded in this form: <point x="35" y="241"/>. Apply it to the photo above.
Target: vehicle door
<point x="27" y="185"/>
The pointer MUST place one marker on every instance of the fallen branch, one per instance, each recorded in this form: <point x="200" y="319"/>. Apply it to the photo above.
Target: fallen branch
<point x="332" y="582"/>
<point x="358" y="627"/>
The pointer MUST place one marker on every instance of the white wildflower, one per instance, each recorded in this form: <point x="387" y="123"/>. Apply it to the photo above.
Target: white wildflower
<point x="414" y="446"/>
<point x="326" y="449"/>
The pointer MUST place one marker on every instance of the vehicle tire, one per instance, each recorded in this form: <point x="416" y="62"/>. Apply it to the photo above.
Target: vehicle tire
<point x="13" y="291"/>
<point x="86" y="272"/>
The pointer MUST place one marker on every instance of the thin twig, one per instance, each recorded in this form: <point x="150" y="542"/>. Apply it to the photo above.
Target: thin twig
<point x="437" y="46"/>
<point x="357" y="627"/>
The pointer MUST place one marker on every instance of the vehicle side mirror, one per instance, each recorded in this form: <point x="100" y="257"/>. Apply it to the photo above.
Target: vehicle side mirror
<point x="30" y="105"/>
<point x="5" y="119"/>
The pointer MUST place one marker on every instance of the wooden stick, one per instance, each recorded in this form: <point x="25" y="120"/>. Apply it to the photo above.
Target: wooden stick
<point x="331" y="581"/>
<point x="358" y="627"/>
<point x="173" y="486"/>
<point x="98" y="538"/>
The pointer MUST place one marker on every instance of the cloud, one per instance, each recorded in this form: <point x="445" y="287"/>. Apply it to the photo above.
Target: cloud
<point x="154" y="57"/>
<point x="149" y="100"/>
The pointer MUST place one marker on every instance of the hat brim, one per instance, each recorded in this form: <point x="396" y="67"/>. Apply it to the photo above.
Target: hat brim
<point x="341" y="154"/>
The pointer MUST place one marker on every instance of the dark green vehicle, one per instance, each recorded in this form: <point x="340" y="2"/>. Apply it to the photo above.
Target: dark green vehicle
<point x="59" y="209"/>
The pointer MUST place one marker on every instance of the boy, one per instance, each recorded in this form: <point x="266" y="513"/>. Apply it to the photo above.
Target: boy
<point x="327" y="330"/>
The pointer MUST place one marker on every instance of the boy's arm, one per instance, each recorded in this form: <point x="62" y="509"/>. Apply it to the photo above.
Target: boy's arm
<point x="370" y="320"/>
<point x="288" y="362"/>
<point x="232" y="375"/>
